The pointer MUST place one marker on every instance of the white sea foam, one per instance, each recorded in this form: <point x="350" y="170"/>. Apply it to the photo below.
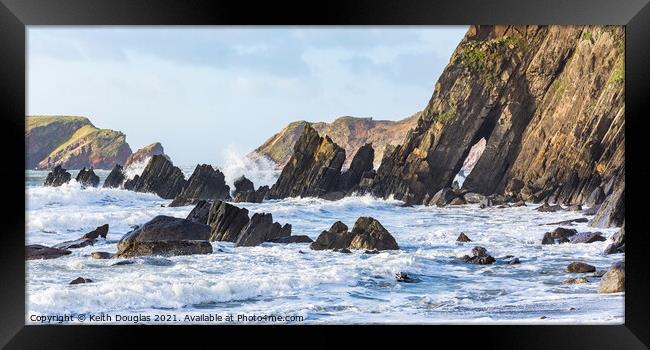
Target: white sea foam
<point x="136" y="168"/>
<point x="260" y="170"/>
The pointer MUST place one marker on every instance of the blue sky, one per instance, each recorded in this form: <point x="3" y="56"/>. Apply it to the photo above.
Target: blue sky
<point x="206" y="91"/>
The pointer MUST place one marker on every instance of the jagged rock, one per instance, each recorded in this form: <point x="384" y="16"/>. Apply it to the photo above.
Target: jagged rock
<point x="463" y="238"/>
<point x="292" y="239"/>
<point x="479" y="256"/>
<point x="368" y="233"/>
<point x="361" y="163"/>
<point x="101" y="255"/>
<point x="613" y="281"/>
<point x="200" y="212"/>
<point x="57" y="177"/>
<point x="165" y="235"/>
<point x="587" y="237"/>
<point x="37" y="251"/>
<point x="226" y="221"/>
<point x="612" y="211"/>
<point x="242" y="184"/>
<point x="143" y="153"/>
<point x="261" y="228"/>
<point x="313" y="169"/>
<point x="473" y="198"/>
<point x="618" y="242"/>
<point x="252" y="196"/>
<point x="115" y="178"/>
<point x="579" y="267"/>
<point x="442" y="197"/>
<point x="596" y="197"/>
<point x="80" y="280"/>
<point x="559" y="235"/>
<point x="160" y="176"/>
<point x="337" y="237"/>
<point x="206" y="183"/>
<point x="100" y="231"/>
<point x="87" y="178"/>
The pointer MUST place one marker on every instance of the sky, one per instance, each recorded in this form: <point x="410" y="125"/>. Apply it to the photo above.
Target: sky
<point x="204" y="92"/>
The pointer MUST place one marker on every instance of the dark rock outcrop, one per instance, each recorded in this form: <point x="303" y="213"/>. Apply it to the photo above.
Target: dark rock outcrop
<point x="369" y="234"/>
<point x="559" y="235"/>
<point x="200" y="212"/>
<point x="87" y="178"/>
<point x="252" y="196"/>
<point x="337" y="237"/>
<point x="613" y="281"/>
<point x="313" y="170"/>
<point x="463" y="238"/>
<point x="226" y="221"/>
<point x="443" y="197"/>
<point x="80" y="280"/>
<point x="100" y="231"/>
<point x="612" y="211"/>
<point x="37" y="251"/>
<point x="292" y="239"/>
<point x="242" y="184"/>
<point x="361" y="163"/>
<point x="479" y="256"/>
<point x="160" y="176"/>
<point x="579" y="267"/>
<point x="206" y="183"/>
<point x="85" y="240"/>
<point x="261" y="228"/>
<point x="165" y="235"/>
<point x="115" y="178"/>
<point x="57" y="177"/>
<point x="568" y="222"/>
<point x="618" y="242"/>
<point x="101" y="255"/>
<point x="587" y="237"/>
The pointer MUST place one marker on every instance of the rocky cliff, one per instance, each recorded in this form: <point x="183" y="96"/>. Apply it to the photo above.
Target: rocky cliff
<point x="145" y="153"/>
<point x="548" y="100"/>
<point x="348" y="132"/>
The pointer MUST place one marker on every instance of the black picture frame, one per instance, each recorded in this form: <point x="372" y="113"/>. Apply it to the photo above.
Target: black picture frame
<point x="15" y="15"/>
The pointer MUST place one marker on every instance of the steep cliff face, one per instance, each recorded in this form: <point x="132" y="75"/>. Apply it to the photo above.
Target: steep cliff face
<point x="549" y="101"/>
<point x="73" y="143"/>
<point x="144" y="153"/>
<point x="350" y="133"/>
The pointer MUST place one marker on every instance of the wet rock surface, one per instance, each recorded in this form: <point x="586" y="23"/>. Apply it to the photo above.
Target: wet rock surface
<point x="115" y="178"/>
<point x="57" y="177"/>
<point x="200" y="212"/>
<point x="160" y="176"/>
<point x="226" y="221"/>
<point x="579" y="267"/>
<point x="87" y="178"/>
<point x="261" y="228"/>
<point x="38" y="251"/>
<point x="205" y="183"/>
<point x="463" y="238"/>
<point x="479" y="256"/>
<point x="559" y="235"/>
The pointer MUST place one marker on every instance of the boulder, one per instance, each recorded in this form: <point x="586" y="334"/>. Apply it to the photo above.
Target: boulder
<point x="165" y="235"/>
<point x="473" y="198"/>
<point x="57" y="177"/>
<point x="369" y="234"/>
<point x="313" y="170"/>
<point x="205" y="183"/>
<point x="101" y="255"/>
<point x="292" y="239"/>
<point x="252" y="196"/>
<point x="618" y="242"/>
<point x="160" y="176"/>
<point x="80" y="280"/>
<point x="514" y="261"/>
<point x="37" y="251"/>
<point x="226" y="221"/>
<point x="587" y="237"/>
<point x="579" y="267"/>
<point x="405" y="278"/>
<point x="261" y="228"/>
<point x="613" y="281"/>
<point x="337" y="237"/>
<point x="100" y="231"/>
<point x="362" y="162"/>
<point x="559" y="235"/>
<point x="200" y="212"/>
<point x="479" y="256"/>
<point x="463" y="238"/>
<point x="243" y="185"/>
<point x="442" y="197"/>
<point x="87" y="178"/>
<point x="115" y="178"/>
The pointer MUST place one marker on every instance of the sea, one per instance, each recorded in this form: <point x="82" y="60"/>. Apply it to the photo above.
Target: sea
<point x="292" y="284"/>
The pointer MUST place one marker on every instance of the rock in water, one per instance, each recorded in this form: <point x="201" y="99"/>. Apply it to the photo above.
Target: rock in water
<point x="337" y="237"/>
<point x="165" y="235"/>
<point x="252" y="196"/>
<point x="361" y="163"/>
<point x="101" y="255"/>
<point x="143" y="153"/>
<point x="242" y="184"/>
<point x="37" y="251"/>
<point x="80" y="280"/>
<point x="115" y="178"/>
<point x="200" y="212"/>
<point x="443" y="197"/>
<point x="463" y="238"/>
<point x="618" y="242"/>
<point x="313" y="169"/>
<point x="369" y="234"/>
<point x="226" y="221"/>
<point x="612" y="210"/>
<point x="100" y="231"/>
<point x="261" y="228"/>
<point x="587" y="237"/>
<point x="206" y="183"/>
<point x="160" y="176"/>
<point x="614" y="280"/>
<point x="292" y="239"/>
<point x="479" y="256"/>
<point x="579" y="267"/>
<point x="87" y="178"/>
<point x="559" y="235"/>
<point x="578" y="280"/>
<point x="57" y="177"/>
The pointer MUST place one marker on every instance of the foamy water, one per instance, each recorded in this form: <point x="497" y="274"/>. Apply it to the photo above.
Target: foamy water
<point x="320" y="286"/>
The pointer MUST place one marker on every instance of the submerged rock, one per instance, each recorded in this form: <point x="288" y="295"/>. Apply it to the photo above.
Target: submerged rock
<point x="206" y="183"/>
<point x="57" y="177"/>
<point x="87" y="178"/>
<point x="101" y="255"/>
<point x="577" y="280"/>
<point x="37" y="251"/>
<point x="579" y="267"/>
<point x="226" y="221"/>
<point x="160" y="176"/>
<point x="559" y="235"/>
<point x="569" y="222"/>
<point x="115" y="178"/>
<point x="80" y="280"/>
<point x="613" y="281"/>
<point x="547" y="208"/>
<point x="405" y="278"/>
<point x="479" y="256"/>
<point x="292" y="239"/>
<point x="100" y="231"/>
<point x="78" y="243"/>
<point x="165" y="235"/>
<point x="618" y="242"/>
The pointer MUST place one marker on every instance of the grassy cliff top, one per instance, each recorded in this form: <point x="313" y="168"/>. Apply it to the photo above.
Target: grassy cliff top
<point x="36" y="121"/>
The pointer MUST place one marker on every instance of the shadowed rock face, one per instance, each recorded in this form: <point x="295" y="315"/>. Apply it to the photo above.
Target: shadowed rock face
<point x="206" y="183"/>
<point x="361" y="163"/>
<point x="261" y="228"/>
<point x="549" y="100"/>
<point x="115" y="178"/>
<point x="226" y="221"/>
<point x="313" y="170"/>
<point x="367" y="233"/>
<point x="144" y="153"/>
<point x="57" y="177"/>
<point x="87" y="178"/>
<point x="160" y="177"/>
<point x="200" y="212"/>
